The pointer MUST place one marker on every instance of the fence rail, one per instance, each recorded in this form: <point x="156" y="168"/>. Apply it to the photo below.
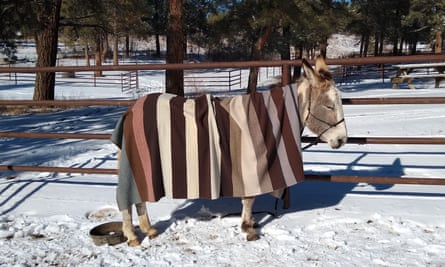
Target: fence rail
<point x="107" y="79"/>
<point x="375" y="179"/>
<point x="124" y="102"/>
<point x="304" y="139"/>
<point x="283" y="64"/>
<point x="129" y="81"/>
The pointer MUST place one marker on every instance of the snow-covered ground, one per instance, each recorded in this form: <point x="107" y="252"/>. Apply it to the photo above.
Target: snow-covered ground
<point x="45" y="218"/>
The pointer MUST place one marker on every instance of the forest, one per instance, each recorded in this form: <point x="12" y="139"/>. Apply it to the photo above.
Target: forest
<point x="227" y="30"/>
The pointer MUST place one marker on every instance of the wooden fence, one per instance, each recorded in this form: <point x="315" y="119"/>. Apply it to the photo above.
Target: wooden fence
<point x="124" y="79"/>
<point x="285" y="69"/>
<point x="227" y="79"/>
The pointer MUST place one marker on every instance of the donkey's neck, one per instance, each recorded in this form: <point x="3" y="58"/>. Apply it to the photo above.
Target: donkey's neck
<point x="303" y="91"/>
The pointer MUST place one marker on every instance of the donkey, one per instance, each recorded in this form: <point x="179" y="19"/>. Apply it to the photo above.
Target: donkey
<point x="318" y="106"/>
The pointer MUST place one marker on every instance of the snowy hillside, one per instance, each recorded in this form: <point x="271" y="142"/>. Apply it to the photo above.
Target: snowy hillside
<point x="340" y="46"/>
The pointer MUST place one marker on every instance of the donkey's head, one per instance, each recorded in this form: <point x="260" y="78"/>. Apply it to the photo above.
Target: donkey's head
<point x="320" y="104"/>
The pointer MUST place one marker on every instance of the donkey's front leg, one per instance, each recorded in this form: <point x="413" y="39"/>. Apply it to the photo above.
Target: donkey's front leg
<point x="144" y="221"/>
<point x="128" y="228"/>
<point x="247" y="222"/>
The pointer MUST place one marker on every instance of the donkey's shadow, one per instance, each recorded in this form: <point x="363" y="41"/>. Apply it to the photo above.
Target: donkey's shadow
<point x="307" y="195"/>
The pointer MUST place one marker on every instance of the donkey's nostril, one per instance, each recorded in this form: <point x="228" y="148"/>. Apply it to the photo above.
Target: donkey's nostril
<point x="337" y="143"/>
<point x="342" y="141"/>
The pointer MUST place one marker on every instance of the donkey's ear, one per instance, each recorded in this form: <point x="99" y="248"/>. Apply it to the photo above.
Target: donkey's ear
<point x="309" y="72"/>
<point x="322" y="69"/>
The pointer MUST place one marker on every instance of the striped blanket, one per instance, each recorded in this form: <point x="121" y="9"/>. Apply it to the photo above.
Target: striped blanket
<point x="208" y="147"/>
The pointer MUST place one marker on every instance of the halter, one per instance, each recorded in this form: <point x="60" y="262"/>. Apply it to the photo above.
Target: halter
<point x="330" y="126"/>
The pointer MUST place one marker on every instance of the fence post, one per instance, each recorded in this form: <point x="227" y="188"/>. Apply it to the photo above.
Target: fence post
<point x="285" y="75"/>
<point x="383" y="73"/>
<point x="137" y="79"/>
<point x="122" y="82"/>
<point x="230" y="80"/>
<point x="240" y="78"/>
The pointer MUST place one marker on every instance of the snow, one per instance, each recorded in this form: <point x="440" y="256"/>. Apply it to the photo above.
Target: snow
<point x="46" y="217"/>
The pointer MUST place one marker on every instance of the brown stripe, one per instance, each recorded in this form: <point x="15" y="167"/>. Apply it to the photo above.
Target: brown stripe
<point x="286" y="169"/>
<point x="234" y="156"/>
<point x="234" y="106"/>
<point x="203" y="146"/>
<point x="263" y="140"/>
<point x="275" y="170"/>
<point x="133" y="156"/>
<point x="144" y="168"/>
<point x="151" y="132"/>
<point x="292" y="147"/>
<point x="178" y="151"/>
<point x="223" y="119"/>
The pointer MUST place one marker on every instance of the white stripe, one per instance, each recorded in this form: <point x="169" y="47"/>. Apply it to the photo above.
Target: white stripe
<point x="164" y="136"/>
<point x="191" y="147"/>
<point x="215" y="152"/>
<point x="248" y="156"/>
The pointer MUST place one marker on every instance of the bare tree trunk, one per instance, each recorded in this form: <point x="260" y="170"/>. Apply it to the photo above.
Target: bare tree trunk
<point x="257" y="49"/>
<point x="157" y="28"/>
<point x="362" y="45"/>
<point x="46" y="47"/>
<point x="105" y="47"/>
<point x="127" y="45"/>
<point x="401" y="46"/>
<point x="174" y="79"/>
<point x="158" y="46"/>
<point x="376" y="44"/>
<point x="285" y="54"/>
<point x="438" y="45"/>
<point x="324" y="47"/>
<point x="98" y="55"/>
<point x="87" y="54"/>
<point x="366" y="46"/>
<point x="414" y="47"/>
<point x="395" y="50"/>
<point x="381" y="39"/>
<point x="297" y="69"/>
<point x="116" y="50"/>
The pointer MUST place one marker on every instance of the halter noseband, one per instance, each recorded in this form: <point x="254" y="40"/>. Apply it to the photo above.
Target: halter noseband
<point x="330" y="126"/>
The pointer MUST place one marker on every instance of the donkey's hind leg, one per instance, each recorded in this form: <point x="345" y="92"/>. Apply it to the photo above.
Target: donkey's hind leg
<point x="128" y="228"/>
<point x="248" y="224"/>
<point x="144" y="221"/>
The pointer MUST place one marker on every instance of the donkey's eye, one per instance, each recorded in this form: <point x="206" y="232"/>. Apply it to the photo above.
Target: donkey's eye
<point x="330" y="107"/>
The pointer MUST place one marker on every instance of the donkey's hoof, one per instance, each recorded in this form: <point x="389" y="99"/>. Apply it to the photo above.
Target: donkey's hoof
<point x="133" y="243"/>
<point x="152" y="233"/>
<point x="252" y="236"/>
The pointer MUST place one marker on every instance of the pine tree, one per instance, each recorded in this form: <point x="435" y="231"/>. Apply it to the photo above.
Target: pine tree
<point x="174" y="79"/>
<point x="46" y="37"/>
<point x="426" y="21"/>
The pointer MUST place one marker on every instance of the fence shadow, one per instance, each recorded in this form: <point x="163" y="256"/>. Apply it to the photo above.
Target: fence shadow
<point x="307" y="195"/>
<point x="17" y="192"/>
